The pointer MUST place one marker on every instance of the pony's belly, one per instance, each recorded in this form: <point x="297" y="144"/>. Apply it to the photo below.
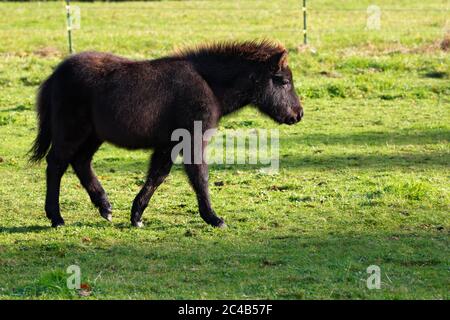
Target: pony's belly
<point x="131" y="126"/>
<point x="133" y="136"/>
<point x="125" y="137"/>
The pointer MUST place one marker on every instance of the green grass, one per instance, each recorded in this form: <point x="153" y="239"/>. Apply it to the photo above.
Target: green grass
<point x="364" y="178"/>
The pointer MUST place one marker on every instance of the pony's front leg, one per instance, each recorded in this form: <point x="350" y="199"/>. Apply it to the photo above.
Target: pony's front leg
<point x="160" y="166"/>
<point x="198" y="177"/>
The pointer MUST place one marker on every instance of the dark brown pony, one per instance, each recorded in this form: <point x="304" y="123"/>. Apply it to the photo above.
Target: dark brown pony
<point x="94" y="97"/>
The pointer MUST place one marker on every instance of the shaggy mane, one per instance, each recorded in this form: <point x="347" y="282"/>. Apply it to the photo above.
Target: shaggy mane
<point x="258" y="51"/>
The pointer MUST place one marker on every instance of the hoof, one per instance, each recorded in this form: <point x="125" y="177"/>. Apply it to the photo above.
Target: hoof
<point x="57" y="223"/>
<point x="222" y="225"/>
<point x="106" y="214"/>
<point x="137" y="224"/>
<point x="216" y="222"/>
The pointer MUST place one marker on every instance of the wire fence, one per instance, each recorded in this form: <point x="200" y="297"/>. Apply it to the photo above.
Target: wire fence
<point x="231" y="19"/>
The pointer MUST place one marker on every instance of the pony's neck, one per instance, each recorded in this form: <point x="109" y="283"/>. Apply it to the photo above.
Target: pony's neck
<point x="231" y="99"/>
<point x="227" y="80"/>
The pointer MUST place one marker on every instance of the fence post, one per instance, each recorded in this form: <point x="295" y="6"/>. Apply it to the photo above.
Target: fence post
<point x="69" y="26"/>
<point x="305" y="38"/>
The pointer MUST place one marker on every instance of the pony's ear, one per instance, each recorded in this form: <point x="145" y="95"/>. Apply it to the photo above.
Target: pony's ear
<point x="278" y="61"/>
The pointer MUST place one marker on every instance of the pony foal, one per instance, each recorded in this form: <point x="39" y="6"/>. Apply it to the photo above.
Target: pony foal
<point x="95" y="97"/>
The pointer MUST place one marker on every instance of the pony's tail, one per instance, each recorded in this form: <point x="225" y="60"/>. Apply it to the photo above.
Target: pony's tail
<point x="44" y="137"/>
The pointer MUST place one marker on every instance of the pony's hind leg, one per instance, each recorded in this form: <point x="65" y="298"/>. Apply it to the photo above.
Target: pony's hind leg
<point x="57" y="163"/>
<point x="64" y="147"/>
<point x="82" y="165"/>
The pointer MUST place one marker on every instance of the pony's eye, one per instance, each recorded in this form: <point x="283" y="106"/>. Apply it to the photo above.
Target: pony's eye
<point x="281" y="80"/>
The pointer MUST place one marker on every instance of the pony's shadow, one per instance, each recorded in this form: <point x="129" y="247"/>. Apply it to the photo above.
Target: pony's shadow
<point x="24" y="229"/>
<point x="41" y="228"/>
<point x="98" y="224"/>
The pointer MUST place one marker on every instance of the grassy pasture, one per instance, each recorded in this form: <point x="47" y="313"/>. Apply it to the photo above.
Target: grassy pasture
<point x="364" y="178"/>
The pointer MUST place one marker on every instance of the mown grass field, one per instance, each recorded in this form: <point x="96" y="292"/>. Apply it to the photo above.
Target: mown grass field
<point x="364" y="178"/>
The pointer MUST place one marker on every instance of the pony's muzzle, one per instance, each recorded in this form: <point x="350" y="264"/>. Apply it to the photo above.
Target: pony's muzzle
<point x="294" y="117"/>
